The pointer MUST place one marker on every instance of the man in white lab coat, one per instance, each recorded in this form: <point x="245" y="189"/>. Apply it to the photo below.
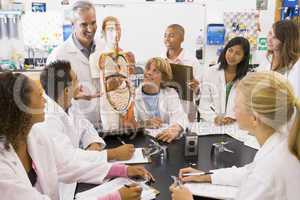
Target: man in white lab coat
<point x="77" y="49"/>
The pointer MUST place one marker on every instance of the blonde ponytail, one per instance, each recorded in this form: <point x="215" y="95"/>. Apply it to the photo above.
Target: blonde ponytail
<point x="294" y="138"/>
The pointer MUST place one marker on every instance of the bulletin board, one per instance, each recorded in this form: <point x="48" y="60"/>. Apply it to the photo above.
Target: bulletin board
<point x="242" y="24"/>
<point x="143" y="25"/>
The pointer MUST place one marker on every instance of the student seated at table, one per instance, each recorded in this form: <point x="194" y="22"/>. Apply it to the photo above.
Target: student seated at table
<point x="219" y="82"/>
<point x="155" y="103"/>
<point x="61" y="85"/>
<point x="68" y="126"/>
<point x="265" y="103"/>
<point x="31" y="164"/>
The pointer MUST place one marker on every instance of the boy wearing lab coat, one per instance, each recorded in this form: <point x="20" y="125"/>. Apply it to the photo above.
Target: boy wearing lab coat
<point x="31" y="163"/>
<point x="67" y="124"/>
<point x="173" y="38"/>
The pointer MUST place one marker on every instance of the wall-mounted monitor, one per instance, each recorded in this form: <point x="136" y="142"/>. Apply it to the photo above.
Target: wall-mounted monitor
<point x="215" y="34"/>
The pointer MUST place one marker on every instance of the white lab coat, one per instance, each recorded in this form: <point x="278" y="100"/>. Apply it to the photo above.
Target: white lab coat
<point x="186" y="58"/>
<point x="273" y="175"/>
<point x="293" y="75"/>
<point x="53" y="165"/>
<point x="80" y="64"/>
<point x="71" y="130"/>
<point x="213" y="94"/>
<point x="74" y="125"/>
<point x="170" y="108"/>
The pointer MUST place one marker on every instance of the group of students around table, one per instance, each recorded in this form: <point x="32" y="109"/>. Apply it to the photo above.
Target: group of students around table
<point x="46" y="143"/>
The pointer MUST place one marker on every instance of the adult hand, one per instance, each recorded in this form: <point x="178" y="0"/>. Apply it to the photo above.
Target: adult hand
<point x="139" y="171"/>
<point x="130" y="193"/>
<point x="229" y="120"/>
<point x="82" y="95"/>
<point x="94" y="147"/>
<point x="181" y="193"/>
<point x="123" y="152"/>
<point x="194" y="85"/>
<point x="169" y="134"/>
<point x="196" y="178"/>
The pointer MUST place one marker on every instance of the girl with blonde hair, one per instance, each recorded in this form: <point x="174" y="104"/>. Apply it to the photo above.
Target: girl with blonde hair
<point x="265" y="102"/>
<point x="156" y="104"/>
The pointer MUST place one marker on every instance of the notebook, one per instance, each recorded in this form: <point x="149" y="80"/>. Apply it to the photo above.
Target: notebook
<point x="212" y="191"/>
<point x="182" y="75"/>
<point x="148" y="192"/>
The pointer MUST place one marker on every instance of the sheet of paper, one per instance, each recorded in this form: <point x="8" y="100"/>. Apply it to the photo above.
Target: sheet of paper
<point x="252" y="142"/>
<point x="212" y="191"/>
<point x="155" y="132"/>
<point x="137" y="158"/>
<point x="209" y="128"/>
<point x="148" y="193"/>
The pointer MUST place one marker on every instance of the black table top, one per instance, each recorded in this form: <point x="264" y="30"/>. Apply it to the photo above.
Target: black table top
<point x="161" y="168"/>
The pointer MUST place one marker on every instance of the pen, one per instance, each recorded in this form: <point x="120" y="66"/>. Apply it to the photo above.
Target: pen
<point x="218" y="114"/>
<point x="121" y="140"/>
<point x="212" y="108"/>
<point x="197" y="173"/>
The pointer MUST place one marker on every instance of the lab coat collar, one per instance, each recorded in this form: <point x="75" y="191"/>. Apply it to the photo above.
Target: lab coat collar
<point x="178" y="60"/>
<point x="34" y="147"/>
<point x="12" y="157"/>
<point x="52" y="106"/>
<point x="139" y="98"/>
<point x="271" y="143"/>
<point x="71" y="48"/>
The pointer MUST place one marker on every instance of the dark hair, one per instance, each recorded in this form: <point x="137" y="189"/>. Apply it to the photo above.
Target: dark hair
<point x="55" y="78"/>
<point x="243" y="66"/>
<point x="14" y="121"/>
<point x="287" y="32"/>
<point x="178" y="28"/>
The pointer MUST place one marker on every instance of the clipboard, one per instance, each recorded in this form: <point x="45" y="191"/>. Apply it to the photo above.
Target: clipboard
<point x="182" y="75"/>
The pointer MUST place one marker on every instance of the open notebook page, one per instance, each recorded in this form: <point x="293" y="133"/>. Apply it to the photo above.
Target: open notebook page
<point x="137" y="158"/>
<point x="148" y="193"/>
<point x="212" y="191"/>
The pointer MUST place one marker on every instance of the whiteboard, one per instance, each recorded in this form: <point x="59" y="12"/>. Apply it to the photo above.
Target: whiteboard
<point x="143" y="25"/>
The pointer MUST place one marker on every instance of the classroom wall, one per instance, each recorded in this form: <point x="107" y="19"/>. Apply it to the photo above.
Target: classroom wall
<point x="215" y="9"/>
<point x="214" y="14"/>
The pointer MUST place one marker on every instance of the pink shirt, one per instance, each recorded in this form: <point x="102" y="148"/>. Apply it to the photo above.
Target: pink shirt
<point x="116" y="170"/>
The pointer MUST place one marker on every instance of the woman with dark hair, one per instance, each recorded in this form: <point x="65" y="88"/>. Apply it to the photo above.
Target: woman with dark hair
<point x="284" y="52"/>
<point x="219" y="82"/>
<point x="31" y="163"/>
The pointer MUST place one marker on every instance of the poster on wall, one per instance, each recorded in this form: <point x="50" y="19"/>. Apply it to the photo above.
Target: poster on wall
<point x="261" y="4"/>
<point x="38" y="7"/>
<point x="65" y="2"/>
<point x="262" y="44"/>
<point x="243" y="24"/>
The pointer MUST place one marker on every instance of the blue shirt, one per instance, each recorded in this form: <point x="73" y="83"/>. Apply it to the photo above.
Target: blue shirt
<point x="151" y="103"/>
<point x="86" y="51"/>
